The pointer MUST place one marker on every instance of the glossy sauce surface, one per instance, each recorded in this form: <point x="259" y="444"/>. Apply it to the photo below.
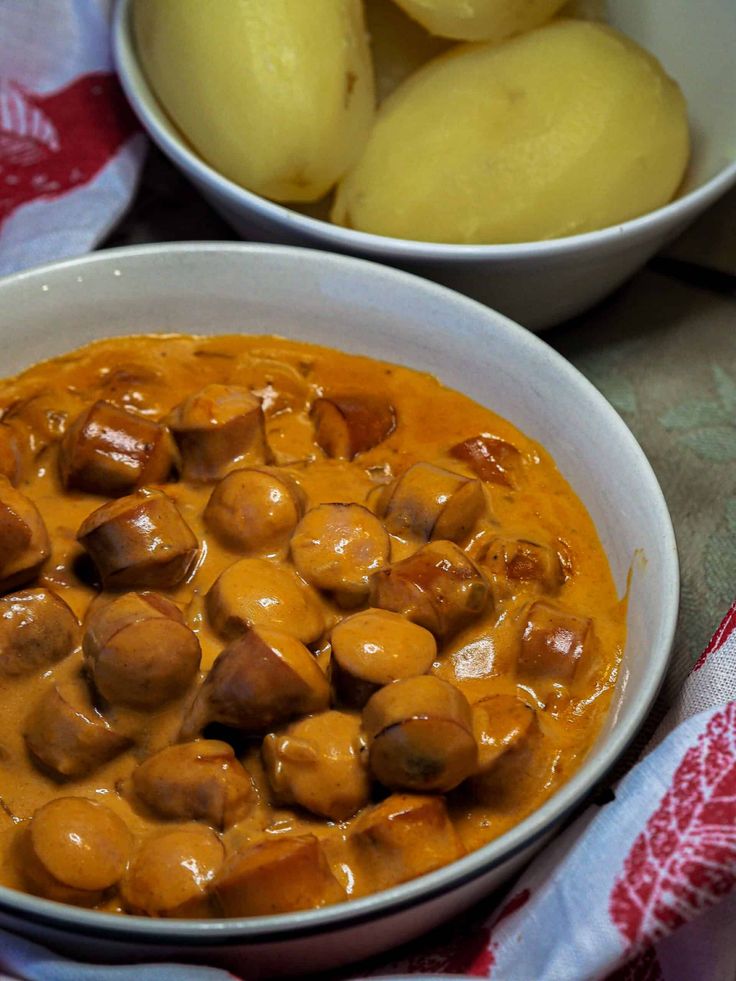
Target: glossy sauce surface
<point x="479" y="656"/>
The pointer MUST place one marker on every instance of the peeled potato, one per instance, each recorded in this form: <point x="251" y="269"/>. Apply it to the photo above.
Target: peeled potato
<point x="480" y="20"/>
<point x="567" y="129"/>
<point x="399" y="45"/>
<point x="275" y="94"/>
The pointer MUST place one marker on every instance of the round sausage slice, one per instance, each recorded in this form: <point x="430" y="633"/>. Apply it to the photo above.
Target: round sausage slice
<point x="199" y="781"/>
<point x="261" y="593"/>
<point x="171" y="874"/>
<point x="439" y="587"/>
<point x="278" y="875"/>
<point x="65" y="734"/>
<point x="74" y="850"/>
<point x="259" y="681"/>
<point x="372" y="648"/>
<point x="317" y="763"/>
<point x="404" y="836"/>
<point x="351" y="423"/>
<point x="218" y="429"/>
<point x="430" y="502"/>
<point x="338" y="547"/>
<point x="142" y="661"/>
<point x="112" y="451"/>
<point x="37" y="629"/>
<point x="420" y="735"/>
<point x="25" y="541"/>
<point x="255" y="510"/>
<point x="140" y="540"/>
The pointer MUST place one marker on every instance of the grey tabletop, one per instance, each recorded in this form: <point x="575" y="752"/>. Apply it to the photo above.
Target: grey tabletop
<point x="662" y="349"/>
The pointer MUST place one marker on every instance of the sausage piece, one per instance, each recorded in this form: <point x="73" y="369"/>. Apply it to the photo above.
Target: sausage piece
<point x="515" y="564"/>
<point x="490" y="458"/>
<point x="317" y="764"/>
<point x="74" y="850"/>
<point x="139" y="652"/>
<point x="402" y="837"/>
<point x="338" y="547"/>
<point x="25" y="541"/>
<point x="112" y="451"/>
<point x="255" y="510"/>
<point x="259" y="681"/>
<point x="429" y="502"/>
<point x="277" y="875"/>
<point x="218" y="429"/>
<point x="65" y="734"/>
<point x="552" y="644"/>
<point x="37" y="629"/>
<point x="510" y="751"/>
<point x="171" y="874"/>
<point x="348" y="424"/>
<point x="199" y="781"/>
<point x="259" y="593"/>
<point x="140" y="540"/>
<point x="375" y="647"/>
<point x="439" y="587"/>
<point x="420" y="735"/>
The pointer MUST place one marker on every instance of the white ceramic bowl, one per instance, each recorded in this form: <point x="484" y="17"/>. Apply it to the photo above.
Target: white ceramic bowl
<point x="370" y="309"/>
<point x="538" y="283"/>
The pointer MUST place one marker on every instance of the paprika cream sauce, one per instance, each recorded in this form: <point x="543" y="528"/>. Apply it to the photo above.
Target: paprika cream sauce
<point x="478" y="643"/>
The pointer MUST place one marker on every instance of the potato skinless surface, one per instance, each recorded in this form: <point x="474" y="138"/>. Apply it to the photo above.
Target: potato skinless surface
<point x="151" y="376"/>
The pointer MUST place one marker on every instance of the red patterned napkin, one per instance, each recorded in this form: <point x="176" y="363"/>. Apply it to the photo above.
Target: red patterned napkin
<point x="70" y="149"/>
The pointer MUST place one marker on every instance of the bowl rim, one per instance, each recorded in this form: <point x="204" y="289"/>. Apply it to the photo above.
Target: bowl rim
<point x="342" y="916"/>
<point x="166" y="135"/>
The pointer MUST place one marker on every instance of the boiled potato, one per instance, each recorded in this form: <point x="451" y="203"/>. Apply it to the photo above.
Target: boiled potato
<point x="567" y="129"/>
<point x="277" y="95"/>
<point x="480" y="20"/>
<point x="399" y="44"/>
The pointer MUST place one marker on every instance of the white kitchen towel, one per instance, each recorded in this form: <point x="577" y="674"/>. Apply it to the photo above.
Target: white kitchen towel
<point x="70" y="149"/>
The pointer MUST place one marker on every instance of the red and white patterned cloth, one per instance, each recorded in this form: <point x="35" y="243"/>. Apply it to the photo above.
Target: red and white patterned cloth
<point x="644" y="886"/>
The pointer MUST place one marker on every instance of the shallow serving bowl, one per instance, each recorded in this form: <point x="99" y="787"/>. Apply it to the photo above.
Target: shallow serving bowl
<point x="536" y="283"/>
<point x="369" y="309"/>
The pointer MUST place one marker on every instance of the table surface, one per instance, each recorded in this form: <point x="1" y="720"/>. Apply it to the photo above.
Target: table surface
<point x="662" y="349"/>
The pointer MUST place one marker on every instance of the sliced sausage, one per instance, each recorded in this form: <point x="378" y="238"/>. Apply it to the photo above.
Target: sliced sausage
<point x="514" y="564"/>
<point x="66" y="735"/>
<point x="37" y="629"/>
<point x="255" y="510"/>
<point x="74" y="850"/>
<point x="199" y="781"/>
<point x="142" y="661"/>
<point x="113" y="451"/>
<point x="260" y="593"/>
<point x="511" y="756"/>
<point x="42" y="419"/>
<point x="10" y="454"/>
<point x="172" y="872"/>
<point x="439" y="587"/>
<point x="352" y="423"/>
<point x="375" y="647"/>
<point x="218" y="429"/>
<point x="25" y="541"/>
<point x="420" y="735"/>
<point x="277" y="875"/>
<point x="140" y="540"/>
<point x="317" y="764"/>
<point x="552" y="644"/>
<point x="402" y="837"/>
<point x="338" y="547"/>
<point x="490" y="458"/>
<point x="259" y="681"/>
<point x="429" y="502"/>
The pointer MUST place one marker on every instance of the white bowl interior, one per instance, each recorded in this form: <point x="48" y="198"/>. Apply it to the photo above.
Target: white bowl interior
<point x="370" y="309"/>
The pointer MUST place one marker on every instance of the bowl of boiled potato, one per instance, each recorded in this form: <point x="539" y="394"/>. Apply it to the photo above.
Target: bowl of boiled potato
<point x="530" y="154"/>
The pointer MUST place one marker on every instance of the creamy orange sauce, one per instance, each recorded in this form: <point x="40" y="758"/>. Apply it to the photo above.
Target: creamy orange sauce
<point x="153" y="374"/>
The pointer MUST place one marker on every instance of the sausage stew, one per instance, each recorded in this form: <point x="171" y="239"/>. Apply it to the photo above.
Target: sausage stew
<point x="279" y="626"/>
